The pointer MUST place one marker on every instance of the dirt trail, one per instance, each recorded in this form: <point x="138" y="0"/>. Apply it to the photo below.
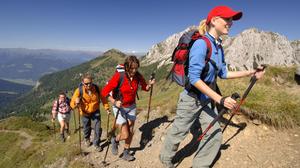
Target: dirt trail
<point x="27" y="141"/>
<point x="254" y="146"/>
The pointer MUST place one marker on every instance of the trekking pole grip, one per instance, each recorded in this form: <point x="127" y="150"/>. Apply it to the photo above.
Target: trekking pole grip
<point x="152" y="76"/>
<point x="264" y="66"/>
<point x="235" y="96"/>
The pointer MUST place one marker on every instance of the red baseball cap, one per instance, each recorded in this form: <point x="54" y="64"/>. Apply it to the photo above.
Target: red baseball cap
<point x="224" y="12"/>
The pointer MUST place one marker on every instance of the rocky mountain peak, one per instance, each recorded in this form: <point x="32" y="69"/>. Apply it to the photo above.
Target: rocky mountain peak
<point x="250" y="47"/>
<point x="161" y="52"/>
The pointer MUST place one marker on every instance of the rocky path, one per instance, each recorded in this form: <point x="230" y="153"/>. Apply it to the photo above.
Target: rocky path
<point x="253" y="146"/>
<point x="26" y="142"/>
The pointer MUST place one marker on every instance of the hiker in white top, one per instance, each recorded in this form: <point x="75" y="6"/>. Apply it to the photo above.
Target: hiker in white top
<point x="61" y="108"/>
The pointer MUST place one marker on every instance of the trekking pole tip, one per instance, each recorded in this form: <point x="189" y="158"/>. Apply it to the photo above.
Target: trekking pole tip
<point x="105" y="163"/>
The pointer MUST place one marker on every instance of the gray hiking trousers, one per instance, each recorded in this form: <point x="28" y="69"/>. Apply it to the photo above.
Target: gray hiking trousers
<point x="188" y="111"/>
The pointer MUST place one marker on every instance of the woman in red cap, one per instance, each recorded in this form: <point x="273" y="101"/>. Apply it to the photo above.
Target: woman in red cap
<point x="191" y="106"/>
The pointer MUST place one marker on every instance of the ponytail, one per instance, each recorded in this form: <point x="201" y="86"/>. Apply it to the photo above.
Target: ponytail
<point x="202" y="27"/>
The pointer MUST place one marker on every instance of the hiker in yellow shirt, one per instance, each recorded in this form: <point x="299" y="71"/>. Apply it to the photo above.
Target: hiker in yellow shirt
<point x="87" y="99"/>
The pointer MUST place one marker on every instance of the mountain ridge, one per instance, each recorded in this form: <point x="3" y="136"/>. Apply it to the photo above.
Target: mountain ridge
<point x="251" y="46"/>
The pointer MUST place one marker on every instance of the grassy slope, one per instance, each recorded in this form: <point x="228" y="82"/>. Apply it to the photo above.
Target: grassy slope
<point x="44" y="150"/>
<point x="275" y="100"/>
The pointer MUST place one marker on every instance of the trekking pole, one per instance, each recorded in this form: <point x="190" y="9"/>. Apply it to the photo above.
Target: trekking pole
<point x="151" y="89"/>
<point x="79" y="129"/>
<point x="54" y="129"/>
<point x="74" y="116"/>
<point x="108" y="137"/>
<point x="252" y="82"/>
<point x="234" y="96"/>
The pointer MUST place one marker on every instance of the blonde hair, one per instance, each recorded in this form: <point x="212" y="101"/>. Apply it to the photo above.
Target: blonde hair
<point x="202" y="27"/>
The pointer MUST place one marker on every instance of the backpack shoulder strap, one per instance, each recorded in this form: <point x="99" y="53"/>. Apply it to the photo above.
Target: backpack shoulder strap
<point x="121" y="80"/>
<point x="68" y="101"/>
<point x="97" y="89"/>
<point x="116" y="91"/>
<point x="80" y="90"/>
<point x="209" y="49"/>
<point x="207" y="57"/>
<point x="223" y="55"/>
<point x="57" y="105"/>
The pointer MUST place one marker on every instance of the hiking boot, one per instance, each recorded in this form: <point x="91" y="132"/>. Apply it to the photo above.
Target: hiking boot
<point x="67" y="132"/>
<point x="167" y="164"/>
<point x="127" y="156"/>
<point x="114" y="146"/>
<point x="98" y="148"/>
<point x="62" y="138"/>
<point x="87" y="142"/>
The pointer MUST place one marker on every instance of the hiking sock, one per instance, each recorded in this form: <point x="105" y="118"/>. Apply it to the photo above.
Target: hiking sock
<point x="87" y="142"/>
<point x="114" y="146"/>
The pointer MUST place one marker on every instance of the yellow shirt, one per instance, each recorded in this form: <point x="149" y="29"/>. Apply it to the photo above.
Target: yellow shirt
<point x="89" y="102"/>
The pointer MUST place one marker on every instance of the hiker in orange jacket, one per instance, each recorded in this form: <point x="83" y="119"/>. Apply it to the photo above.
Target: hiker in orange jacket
<point x="87" y="99"/>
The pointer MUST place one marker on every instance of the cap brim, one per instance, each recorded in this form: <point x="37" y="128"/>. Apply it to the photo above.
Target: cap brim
<point x="237" y="16"/>
<point x="233" y="15"/>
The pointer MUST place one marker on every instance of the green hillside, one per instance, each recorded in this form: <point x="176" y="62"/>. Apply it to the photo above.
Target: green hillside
<point x="38" y="100"/>
<point x="9" y="91"/>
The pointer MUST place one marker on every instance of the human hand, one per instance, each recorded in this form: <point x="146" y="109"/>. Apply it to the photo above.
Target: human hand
<point x="118" y="103"/>
<point x="228" y="102"/>
<point x="259" y="73"/>
<point x="77" y="101"/>
<point x="151" y="82"/>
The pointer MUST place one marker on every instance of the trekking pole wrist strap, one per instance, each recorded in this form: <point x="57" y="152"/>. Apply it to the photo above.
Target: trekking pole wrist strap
<point x="222" y="101"/>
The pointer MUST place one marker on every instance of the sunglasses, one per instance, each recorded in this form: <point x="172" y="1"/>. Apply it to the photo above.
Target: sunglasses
<point x="88" y="84"/>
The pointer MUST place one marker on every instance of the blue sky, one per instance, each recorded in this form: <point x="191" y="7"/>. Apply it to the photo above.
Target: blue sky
<point x="128" y="25"/>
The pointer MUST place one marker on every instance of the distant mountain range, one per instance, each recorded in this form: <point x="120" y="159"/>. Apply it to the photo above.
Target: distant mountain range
<point x="28" y="65"/>
<point x="31" y="64"/>
<point x="50" y="85"/>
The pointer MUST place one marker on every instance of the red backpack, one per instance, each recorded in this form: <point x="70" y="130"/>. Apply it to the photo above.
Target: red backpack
<point x="180" y="57"/>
